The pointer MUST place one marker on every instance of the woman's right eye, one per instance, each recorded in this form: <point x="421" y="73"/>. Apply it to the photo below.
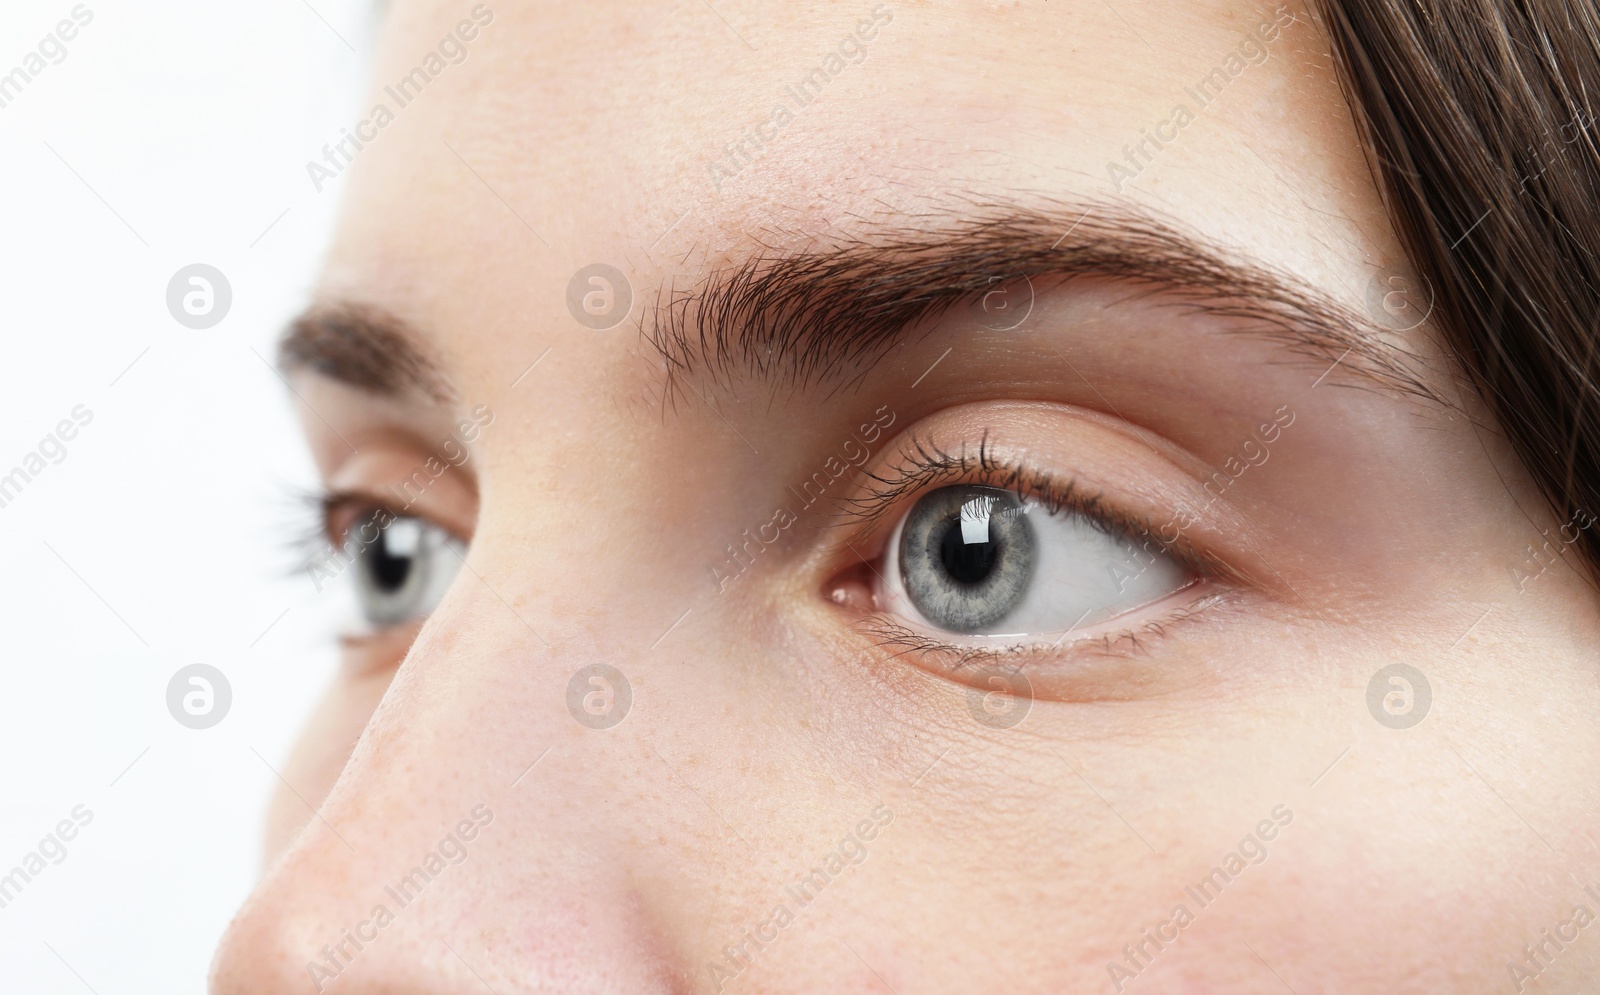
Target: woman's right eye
<point x="401" y="566"/>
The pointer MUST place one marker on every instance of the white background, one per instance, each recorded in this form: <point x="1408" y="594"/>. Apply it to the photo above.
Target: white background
<point x="193" y="120"/>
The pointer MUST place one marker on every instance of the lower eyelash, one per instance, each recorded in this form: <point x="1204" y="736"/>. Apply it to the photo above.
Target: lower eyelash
<point x="887" y="631"/>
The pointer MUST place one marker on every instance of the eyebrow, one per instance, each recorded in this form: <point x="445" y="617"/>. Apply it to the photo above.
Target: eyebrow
<point x="367" y="347"/>
<point x="825" y="312"/>
<point x="828" y="311"/>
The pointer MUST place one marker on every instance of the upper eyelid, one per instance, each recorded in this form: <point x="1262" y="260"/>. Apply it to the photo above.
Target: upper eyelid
<point x="405" y="478"/>
<point x="923" y="464"/>
<point x="355" y="502"/>
<point x="337" y="501"/>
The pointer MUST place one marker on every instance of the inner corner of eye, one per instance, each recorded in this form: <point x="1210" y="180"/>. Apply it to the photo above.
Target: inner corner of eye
<point x="853" y="587"/>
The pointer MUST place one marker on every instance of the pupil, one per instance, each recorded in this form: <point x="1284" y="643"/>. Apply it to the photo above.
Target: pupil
<point x="966" y="562"/>
<point x="388" y="571"/>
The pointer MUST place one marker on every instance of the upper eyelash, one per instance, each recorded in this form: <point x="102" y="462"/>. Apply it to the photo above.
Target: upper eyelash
<point x="306" y="533"/>
<point x="924" y="464"/>
<point x="311" y="537"/>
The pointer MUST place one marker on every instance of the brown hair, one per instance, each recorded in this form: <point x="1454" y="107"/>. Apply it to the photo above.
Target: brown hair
<point x="1481" y="133"/>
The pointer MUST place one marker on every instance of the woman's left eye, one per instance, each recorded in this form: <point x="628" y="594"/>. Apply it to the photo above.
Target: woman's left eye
<point x="981" y="561"/>
<point x="401" y="565"/>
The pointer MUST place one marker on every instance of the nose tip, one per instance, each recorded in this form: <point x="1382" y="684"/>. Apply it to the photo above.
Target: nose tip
<point x="383" y="919"/>
<point x="259" y="945"/>
<point x="303" y="932"/>
<point x="379" y="894"/>
<point x="304" y="928"/>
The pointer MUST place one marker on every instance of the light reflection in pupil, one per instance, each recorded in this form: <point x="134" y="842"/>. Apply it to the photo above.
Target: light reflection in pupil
<point x="967" y="562"/>
<point x="387" y="570"/>
<point x="967" y="555"/>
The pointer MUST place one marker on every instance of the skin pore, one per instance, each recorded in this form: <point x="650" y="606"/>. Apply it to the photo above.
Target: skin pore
<point x="1212" y="314"/>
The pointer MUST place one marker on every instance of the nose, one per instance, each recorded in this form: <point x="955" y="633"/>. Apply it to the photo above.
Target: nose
<point x="461" y="850"/>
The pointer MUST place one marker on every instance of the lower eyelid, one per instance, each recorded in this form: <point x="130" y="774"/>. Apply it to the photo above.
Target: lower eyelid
<point x="1117" y="663"/>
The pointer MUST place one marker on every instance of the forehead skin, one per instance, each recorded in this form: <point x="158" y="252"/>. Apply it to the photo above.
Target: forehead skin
<point x="626" y="862"/>
<point x="599" y="131"/>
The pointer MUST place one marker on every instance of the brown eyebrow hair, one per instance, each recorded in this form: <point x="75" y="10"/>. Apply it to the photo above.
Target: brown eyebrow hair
<point x="366" y="347"/>
<point x="825" y="312"/>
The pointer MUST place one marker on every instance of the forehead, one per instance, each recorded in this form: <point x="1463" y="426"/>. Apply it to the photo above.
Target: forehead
<point x="542" y="138"/>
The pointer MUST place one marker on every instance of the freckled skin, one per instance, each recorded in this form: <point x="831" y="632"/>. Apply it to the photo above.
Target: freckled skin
<point x="765" y="730"/>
